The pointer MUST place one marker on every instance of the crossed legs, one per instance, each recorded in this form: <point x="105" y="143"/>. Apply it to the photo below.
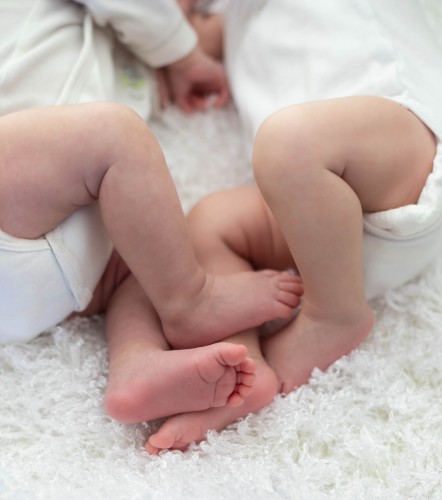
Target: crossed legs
<point x="318" y="167"/>
<point x="232" y="232"/>
<point x="54" y="160"/>
<point x="57" y="159"/>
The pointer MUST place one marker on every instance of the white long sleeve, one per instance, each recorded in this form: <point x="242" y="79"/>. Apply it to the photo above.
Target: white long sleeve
<point x="64" y="51"/>
<point x="156" y="31"/>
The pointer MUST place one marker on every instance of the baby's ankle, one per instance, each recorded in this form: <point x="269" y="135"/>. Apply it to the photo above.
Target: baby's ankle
<point x="180" y="303"/>
<point x="350" y="312"/>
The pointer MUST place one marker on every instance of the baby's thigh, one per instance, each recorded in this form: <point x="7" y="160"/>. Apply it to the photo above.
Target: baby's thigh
<point x="38" y="185"/>
<point x="52" y="161"/>
<point x="385" y="151"/>
<point x="240" y="221"/>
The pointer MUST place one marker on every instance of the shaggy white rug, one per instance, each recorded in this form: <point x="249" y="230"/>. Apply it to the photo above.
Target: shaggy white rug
<point x="370" y="427"/>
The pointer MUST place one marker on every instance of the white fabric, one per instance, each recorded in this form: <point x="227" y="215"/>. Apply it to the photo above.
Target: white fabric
<point x="156" y="32"/>
<point x="368" y="428"/>
<point x="46" y="279"/>
<point x="61" y="52"/>
<point x="329" y="49"/>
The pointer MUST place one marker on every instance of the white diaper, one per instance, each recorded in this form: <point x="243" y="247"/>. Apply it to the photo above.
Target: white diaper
<point x="44" y="280"/>
<point x="400" y="243"/>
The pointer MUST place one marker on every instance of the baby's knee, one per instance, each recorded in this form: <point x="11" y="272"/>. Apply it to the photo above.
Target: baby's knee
<point x="124" y="123"/>
<point x="116" y="135"/>
<point x="119" y="128"/>
<point x="284" y="146"/>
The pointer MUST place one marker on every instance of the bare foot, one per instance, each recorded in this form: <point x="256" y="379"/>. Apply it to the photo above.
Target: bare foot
<point x="310" y="342"/>
<point x="159" y="383"/>
<point x="231" y="303"/>
<point x="181" y="430"/>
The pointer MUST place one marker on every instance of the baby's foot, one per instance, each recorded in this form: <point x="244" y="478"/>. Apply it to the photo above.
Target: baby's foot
<point x="159" y="383"/>
<point x="310" y="342"/>
<point x="232" y="303"/>
<point x="181" y="430"/>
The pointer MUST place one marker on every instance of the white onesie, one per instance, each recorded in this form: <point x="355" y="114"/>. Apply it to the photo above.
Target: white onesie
<point x="46" y="279"/>
<point x="66" y="51"/>
<point x="283" y="52"/>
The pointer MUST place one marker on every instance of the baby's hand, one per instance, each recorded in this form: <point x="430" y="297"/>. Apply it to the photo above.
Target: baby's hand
<point x="197" y="81"/>
<point x="187" y="6"/>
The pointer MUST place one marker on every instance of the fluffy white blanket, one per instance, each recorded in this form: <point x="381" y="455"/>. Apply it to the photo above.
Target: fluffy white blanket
<point x="369" y="427"/>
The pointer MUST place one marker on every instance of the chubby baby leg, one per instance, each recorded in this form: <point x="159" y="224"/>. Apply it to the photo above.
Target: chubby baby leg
<point x="373" y="155"/>
<point x="54" y="160"/>
<point x="232" y="231"/>
<point x="147" y="380"/>
<point x="232" y="236"/>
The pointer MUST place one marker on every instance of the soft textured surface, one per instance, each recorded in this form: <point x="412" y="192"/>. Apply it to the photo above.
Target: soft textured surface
<point x="370" y="427"/>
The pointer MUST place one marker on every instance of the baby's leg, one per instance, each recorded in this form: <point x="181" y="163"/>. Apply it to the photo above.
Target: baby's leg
<point x="319" y="166"/>
<point x="231" y="232"/>
<point x="148" y="381"/>
<point x="54" y="160"/>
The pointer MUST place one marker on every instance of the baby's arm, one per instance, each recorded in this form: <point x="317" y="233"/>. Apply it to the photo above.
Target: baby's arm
<point x="160" y="35"/>
<point x="209" y="28"/>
